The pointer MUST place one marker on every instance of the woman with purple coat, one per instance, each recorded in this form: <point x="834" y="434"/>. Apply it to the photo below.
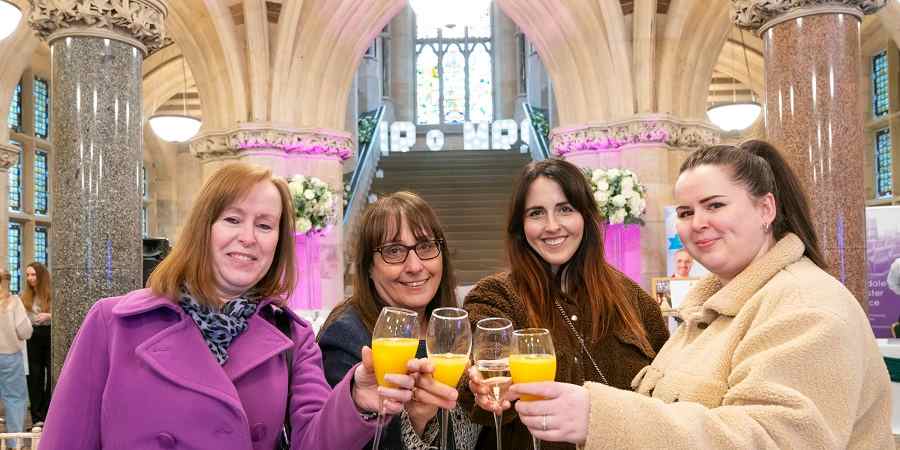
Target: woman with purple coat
<point x="196" y="360"/>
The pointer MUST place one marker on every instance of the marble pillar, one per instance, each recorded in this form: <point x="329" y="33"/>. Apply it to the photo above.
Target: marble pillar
<point x="97" y="52"/>
<point x="813" y="115"/>
<point x="649" y="145"/>
<point x="288" y="152"/>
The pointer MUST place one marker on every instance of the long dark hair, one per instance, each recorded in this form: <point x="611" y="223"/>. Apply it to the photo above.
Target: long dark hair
<point x="382" y="222"/>
<point x="760" y="168"/>
<point x="588" y="278"/>
<point x="41" y="291"/>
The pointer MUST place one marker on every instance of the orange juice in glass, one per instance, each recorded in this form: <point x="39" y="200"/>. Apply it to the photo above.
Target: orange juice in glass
<point x="449" y="367"/>
<point x="532" y="368"/>
<point x="532" y="358"/>
<point x="390" y="355"/>
<point x="394" y="343"/>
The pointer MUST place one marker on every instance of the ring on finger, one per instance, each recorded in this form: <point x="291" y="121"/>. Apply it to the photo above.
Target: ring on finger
<point x="544" y="422"/>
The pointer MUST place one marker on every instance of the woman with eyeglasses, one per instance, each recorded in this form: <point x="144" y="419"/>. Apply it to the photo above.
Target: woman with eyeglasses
<point x="400" y="260"/>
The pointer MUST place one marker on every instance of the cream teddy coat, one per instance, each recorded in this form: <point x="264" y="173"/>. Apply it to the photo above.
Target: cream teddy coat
<point x="781" y="357"/>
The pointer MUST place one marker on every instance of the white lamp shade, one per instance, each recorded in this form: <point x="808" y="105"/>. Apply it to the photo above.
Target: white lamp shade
<point x="734" y="116"/>
<point x="174" y="127"/>
<point x="10" y="15"/>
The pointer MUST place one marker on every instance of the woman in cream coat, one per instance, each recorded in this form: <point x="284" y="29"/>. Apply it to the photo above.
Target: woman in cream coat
<point x="773" y="352"/>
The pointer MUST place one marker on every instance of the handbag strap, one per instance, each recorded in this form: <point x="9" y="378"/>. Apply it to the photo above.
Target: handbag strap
<point x="581" y="341"/>
<point x="283" y="322"/>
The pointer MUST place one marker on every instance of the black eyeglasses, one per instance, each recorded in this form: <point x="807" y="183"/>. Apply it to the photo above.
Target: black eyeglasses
<point x="397" y="253"/>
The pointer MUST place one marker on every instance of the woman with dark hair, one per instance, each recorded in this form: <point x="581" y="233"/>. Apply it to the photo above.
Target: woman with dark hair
<point x="401" y="259"/>
<point x="209" y="356"/>
<point x="773" y="352"/>
<point x="604" y="326"/>
<point x="37" y="300"/>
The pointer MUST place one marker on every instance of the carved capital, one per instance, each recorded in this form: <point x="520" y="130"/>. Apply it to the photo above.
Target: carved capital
<point x="608" y="137"/>
<point x="753" y="14"/>
<point x="315" y="142"/>
<point x="138" y="22"/>
<point x="9" y="155"/>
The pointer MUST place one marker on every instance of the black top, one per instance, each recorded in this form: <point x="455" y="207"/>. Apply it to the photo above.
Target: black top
<point x="341" y="343"/>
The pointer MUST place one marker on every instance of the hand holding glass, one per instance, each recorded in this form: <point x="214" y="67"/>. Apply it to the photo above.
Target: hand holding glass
<point x="449" y="342"/>
<point x="532" y="359"/>
<point x="491" y="355"/>
<point x="394" y="342"/>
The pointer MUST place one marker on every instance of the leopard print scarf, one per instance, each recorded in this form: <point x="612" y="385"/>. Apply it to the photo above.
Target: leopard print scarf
<point x="219" y="327"/>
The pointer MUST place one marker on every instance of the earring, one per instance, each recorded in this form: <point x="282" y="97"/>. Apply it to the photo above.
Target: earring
<point x="765" y="227"/>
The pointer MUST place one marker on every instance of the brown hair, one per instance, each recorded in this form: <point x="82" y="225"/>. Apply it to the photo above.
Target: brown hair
<point x="759" y="167"/>
<point x="190" y="262"/>
<point x="41" y="291"/>
<point x="589" y="279"/>
<point x="382" y="222"/>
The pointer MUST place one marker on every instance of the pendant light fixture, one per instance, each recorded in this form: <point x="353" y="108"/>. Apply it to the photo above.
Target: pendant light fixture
<point x="176" y="127"/>
<point x="736" y="116"/>
<point x="10" y="16"/>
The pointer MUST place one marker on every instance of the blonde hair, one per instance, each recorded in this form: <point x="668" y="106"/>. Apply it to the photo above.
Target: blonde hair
<point x="41" y="289"/>
<point x="189" y="264"/>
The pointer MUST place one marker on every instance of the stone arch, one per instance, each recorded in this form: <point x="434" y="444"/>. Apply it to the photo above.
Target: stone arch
<point x="15" y="52"/>
<point x="205" y="33"/>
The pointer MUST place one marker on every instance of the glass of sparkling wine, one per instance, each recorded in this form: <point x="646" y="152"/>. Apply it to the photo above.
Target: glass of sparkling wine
<point x="394" y="342"/>
<point x="449" y="342"/>
<point x="532" y="359"/>
<point x="491" y="354"/>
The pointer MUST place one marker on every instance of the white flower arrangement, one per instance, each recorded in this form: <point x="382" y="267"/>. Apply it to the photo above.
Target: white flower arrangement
<point x="620" y="197"/>
<point x="313" y="203"/>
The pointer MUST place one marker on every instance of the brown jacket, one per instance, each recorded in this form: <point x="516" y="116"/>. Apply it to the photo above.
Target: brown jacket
<point x="781" y="357"/>
<point x="618" y="355"/>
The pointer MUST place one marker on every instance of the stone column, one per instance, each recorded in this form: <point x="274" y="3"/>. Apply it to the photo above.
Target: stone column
<point x="97" y="50"/>
<point x="649" y="145"/>
<point x="287" y="152"/>
<point x="813" y="115"/>
<point x="8" y="156"/>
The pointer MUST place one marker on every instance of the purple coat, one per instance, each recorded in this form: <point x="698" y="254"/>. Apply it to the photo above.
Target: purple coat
<point x="140" y="376"/>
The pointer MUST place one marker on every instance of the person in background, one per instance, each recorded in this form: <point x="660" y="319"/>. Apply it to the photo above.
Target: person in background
<point x="209" y="356"/>
<point x="774" y="352"/>
<point x="402" y="260"/>
<point x="605" y="328"/>
<point x="683" y="264"/>
<point x="38" y="303"/>
<point x="15" y="329"/>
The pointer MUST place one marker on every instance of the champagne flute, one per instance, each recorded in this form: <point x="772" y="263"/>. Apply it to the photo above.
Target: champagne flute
<point x="449" y="342"/>
<point x="491" y="355"/>
<point x="394" y="342"/>
<point x="532" y="359"/>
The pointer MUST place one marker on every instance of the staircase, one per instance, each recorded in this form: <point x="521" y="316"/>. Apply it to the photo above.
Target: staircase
<point x="470" y="191"/>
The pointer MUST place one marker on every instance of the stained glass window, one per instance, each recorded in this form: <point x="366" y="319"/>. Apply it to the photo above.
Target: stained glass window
<point x="41" y="108"/>
<point x="15" y="181"/>
<point x="15" y="110"/>
<point x="884" y="179"/>
<point x="454" y="75"/>
<point x="880" y="84"/>
<point x="41" y="252"/>
<point x="14" y="239"/>
<point x="41" y="182"/>
<point x="481" y="84"/>
<point x="454" y="84"/>
<point x="428" y="87"/>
